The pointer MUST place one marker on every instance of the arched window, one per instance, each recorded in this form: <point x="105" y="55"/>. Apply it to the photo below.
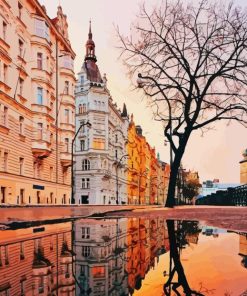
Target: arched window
<point x="85" y="165"/>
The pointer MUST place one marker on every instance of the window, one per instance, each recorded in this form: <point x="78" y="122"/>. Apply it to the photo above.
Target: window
<point x="41" y="285"/>
<point x="98" y="271"/>
<point x="85" y="165"/>
<point x="21" y="81"/>
<point x="40" y="130"/>
<point x="82" y="79"/>
<point x="51" y="173"/>
<point x="66" y="114"/>
<point x="5" y="73"/>
<point x="21" y="44"/>
<point x="66" y="141"/>
<point x="4" y="30"/>
<point x="66" y="87"/>
<point x="116" y="138"/>
<point x="22" y="288"/>
<point x="40" y="96"/>
<point x="21" y="163"/>
<point x="116" y="154"/>
<point x="85" y="183"/>
<point x="85" y="232"/>
<point x="99" y="143"/>
<point x="6" y="252"/>
<point x="22" y="251"/>
<point x="84" y="108"/>
<point x="82" y="123"/>
<point x="42" y="29"/>
<point x="39" y="60"/>
<point x="5" y="116"/>
<point x="80" y="109"/>
<point x="68" y="62"/>
<point x="85" y="251"/>
<point x="5" y="161"/>
<point x="82" y="145"/>
<point x="21" y="121"/>
<point x="20" y="10"/>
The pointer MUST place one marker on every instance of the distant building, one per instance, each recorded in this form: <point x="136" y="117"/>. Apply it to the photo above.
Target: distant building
<point x="99" y="170"/>
<point x="209" y="187"/>
<point x="243" y="168"/>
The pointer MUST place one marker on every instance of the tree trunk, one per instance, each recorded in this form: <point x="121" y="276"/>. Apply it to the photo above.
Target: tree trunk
<point x="170" y="202"/>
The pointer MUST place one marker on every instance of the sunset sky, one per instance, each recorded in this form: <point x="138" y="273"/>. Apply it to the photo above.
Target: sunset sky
<point x="215" y="155"/>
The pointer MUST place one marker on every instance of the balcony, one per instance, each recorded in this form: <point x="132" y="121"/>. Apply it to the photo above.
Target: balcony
<point x="66" y="155"/>
<point x="41" y="143"/>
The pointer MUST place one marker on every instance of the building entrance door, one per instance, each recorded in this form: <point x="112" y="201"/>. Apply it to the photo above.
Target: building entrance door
<point x="3" y="193"/>
<point x="22" y="196"/>
<point x="84" y="199"/>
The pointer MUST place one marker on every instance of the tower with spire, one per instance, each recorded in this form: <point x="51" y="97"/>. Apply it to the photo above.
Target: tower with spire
<point x="97" y="172"/>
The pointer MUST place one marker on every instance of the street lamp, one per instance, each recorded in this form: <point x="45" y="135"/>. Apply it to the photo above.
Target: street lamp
<point x="118" y="164"/>
<point x="88" y="124"/>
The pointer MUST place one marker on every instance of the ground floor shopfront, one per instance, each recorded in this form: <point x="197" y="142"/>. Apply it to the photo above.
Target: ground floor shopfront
<point x="15" y="189"/>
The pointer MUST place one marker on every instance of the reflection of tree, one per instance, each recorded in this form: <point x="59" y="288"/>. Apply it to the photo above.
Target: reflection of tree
<point x="176" y="266"/>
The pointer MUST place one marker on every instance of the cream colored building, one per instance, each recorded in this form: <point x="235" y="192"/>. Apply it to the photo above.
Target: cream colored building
<point x="36" y="104"/>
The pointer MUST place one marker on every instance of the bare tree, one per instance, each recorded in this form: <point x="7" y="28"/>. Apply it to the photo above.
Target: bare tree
<point x="192" y="61"/>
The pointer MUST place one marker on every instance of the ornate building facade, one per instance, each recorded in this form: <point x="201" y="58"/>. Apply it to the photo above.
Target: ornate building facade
<point x="100" y="151"/>
<point x="147" y="175"/>
<point x="37" y="106"/>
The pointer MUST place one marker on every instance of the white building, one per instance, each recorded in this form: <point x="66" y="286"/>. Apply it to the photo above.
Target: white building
<point x="99" y="165"/>
<point x="209" y="187"/>
<point x="100" y="247"/>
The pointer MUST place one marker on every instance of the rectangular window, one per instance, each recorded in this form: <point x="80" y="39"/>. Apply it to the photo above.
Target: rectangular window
<point x="66" y="114"/>
<point x="20" y="10"/>
<point x="85" y="183"/>
<point x="41" y="284"/>
<point x="85" y="232"/>
<point x="4" y="30"/>
<point x="6" y="252"/>
<point x="5" y="73"/>
<point x="68" y="62"/>
<point x="21" y="125"/>
<point x="98" y="271"/>
<point x="21" y="45"/>
<point x="85" y="251"/>
<point x="22" y="251"/>
<point x="82" y="145"/>
<point x="66" y="141"/>
<point x="21" y="162"/>
<point x="98" y="143"/>
<point x="5" y="116"/>
<point x="5" y="161"/>
<point x="40" y="130"/>
<point x="42" y="29"/>
<point x="21" y="81"/>
<point x="22" y="288"/>
<point x="51" y="173"/>
<point x="40" y="95"/>
<point x="39" y="60"/>
<point x="66" y="87"/>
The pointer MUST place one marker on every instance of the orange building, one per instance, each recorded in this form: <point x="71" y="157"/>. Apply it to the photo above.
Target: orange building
<point x="147" y="175"/>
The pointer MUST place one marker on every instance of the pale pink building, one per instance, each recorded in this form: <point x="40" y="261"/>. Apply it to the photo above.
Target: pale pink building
<point x="37" y="105"/>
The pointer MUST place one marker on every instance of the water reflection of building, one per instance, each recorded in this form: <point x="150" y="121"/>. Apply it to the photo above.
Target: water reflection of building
<point x="146" y="241"/>
<point x="36" y="261"/>
<point x="243" y="248"/>
<point x="100" y="248"/>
